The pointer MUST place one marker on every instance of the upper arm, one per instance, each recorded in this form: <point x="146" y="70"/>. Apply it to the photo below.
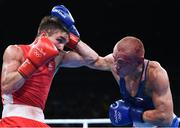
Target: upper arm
<point x="82" y="55"/>
<point x="161" y="93"/>
<point x="73" y="59"/>
<point x="12" y="58"/>
<point x="103" y="63"/>
<point x="11" y="61"/>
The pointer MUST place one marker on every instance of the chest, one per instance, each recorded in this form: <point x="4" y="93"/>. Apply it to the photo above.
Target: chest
<point x="135" y="87"/>
<point x="132" y="87"/>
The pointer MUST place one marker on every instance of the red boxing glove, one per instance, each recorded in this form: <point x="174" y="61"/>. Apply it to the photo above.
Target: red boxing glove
<point x="73" y="41"/>
<point x="39" y="54"/>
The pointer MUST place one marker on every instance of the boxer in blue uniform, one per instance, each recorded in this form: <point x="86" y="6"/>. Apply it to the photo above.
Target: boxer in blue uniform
<point x="144" y="87"/>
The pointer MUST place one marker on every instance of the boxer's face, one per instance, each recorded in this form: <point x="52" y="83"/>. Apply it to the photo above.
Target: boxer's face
<point x="123" y="64"/>
<point x="60" y="39"/>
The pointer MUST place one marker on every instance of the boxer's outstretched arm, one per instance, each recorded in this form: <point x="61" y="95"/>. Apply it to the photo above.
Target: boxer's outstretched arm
<point x="162" y="99"/>
<point x="88" y="54"/>
<point x="83" y="55"/>
<point x="11" y="79"/>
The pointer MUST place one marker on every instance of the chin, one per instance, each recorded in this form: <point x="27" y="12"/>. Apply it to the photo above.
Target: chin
<point x="123" y="74"/>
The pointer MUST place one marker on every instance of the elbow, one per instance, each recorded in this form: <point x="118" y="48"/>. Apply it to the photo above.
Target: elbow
<point x="165" y="119"/>
<point x="168" y="119"/>
<point x="5" y="89"/>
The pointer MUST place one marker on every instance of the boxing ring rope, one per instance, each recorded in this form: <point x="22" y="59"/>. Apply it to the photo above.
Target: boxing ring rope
<point x="84" y="122"/>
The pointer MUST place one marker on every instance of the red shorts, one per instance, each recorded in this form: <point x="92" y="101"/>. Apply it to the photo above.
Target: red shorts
<point x="14" y="121"/>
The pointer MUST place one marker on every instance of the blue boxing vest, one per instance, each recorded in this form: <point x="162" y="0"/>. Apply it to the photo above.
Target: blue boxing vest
<point x="140" y="99"/>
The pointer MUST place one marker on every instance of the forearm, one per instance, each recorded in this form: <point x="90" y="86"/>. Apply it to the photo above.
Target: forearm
<point x="11" y="82"/>
<point x="157" y="117"/>
<point x="88" y="54"/>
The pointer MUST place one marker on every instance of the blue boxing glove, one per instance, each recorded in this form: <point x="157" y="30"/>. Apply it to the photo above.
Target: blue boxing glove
<point x="137" y="114"/>
<point x="65" y="16"/>
<point x="119" y="113"/>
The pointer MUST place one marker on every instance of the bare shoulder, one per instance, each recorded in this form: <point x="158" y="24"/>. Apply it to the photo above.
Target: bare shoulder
<point x="13" y="52"/>
<point x="12" y="49"/>
<point x="155" y="67"/>
<point x="107" y="61"/>
<point x="157" y="74"/>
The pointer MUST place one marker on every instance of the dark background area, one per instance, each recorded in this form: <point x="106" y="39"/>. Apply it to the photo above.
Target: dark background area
<point x="87" y="93"/>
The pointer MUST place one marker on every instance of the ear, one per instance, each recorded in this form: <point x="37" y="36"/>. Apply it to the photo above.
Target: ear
<point x="43" y="33"/>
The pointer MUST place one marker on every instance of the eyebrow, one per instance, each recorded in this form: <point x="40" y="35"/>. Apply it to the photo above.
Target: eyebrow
<point x="61" y="39"/>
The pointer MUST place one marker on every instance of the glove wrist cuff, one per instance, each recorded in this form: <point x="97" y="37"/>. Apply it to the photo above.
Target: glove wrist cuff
<point x="26" y="69"/>
<point x="73" y="41"/>
<point x="137" y="114"/>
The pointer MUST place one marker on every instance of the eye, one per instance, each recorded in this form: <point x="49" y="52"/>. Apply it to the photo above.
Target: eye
<point x="61" y="40"/>
<point x="121" y="62"/>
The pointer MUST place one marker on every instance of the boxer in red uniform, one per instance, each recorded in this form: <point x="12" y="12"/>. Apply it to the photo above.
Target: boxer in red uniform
<point x="28" y="70"/>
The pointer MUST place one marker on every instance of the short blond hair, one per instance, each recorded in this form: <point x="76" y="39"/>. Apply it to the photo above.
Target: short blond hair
<point x="130" y="45"/>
